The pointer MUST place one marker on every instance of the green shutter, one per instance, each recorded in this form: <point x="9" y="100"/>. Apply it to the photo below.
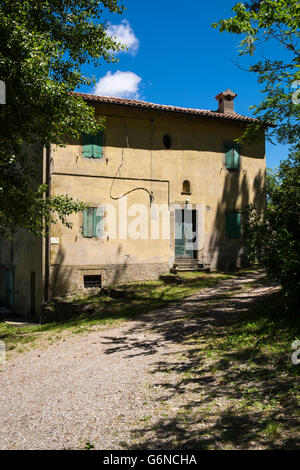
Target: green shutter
<point x="98" y="227"/>
<point x="92" y="145"/>
<point x="232" y="155"/>
<point x="228" y="155"/>
<point x="88" y="222"/>
<point x="88" y="141"/>
<point x="98" y="149"/>
<point x="233" y="225"/>
<point x="236" y="158"/>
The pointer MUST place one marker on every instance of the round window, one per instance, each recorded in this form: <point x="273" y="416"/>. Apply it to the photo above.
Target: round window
<point x="167" y="141"/>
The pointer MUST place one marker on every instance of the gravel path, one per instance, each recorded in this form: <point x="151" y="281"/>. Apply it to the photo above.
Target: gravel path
<point x="94" y="388"/>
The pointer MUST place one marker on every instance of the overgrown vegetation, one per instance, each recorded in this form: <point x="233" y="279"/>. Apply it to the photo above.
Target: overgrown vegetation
<point x="275" y="22"/>
<point x="274" y="238"/>
<point x="44" y="45"/>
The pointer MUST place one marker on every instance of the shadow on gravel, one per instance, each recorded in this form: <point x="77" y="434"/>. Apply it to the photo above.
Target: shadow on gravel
<point x="235" y="386"/>
<point x="180" y="322"/>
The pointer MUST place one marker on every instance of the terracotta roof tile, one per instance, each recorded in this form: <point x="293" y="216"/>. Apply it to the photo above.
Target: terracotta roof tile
<point x="162" y="107"/>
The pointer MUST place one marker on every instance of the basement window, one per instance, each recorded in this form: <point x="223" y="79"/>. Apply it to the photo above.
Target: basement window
<point x="91" y="281"/>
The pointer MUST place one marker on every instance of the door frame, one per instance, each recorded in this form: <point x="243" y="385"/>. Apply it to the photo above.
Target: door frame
<point x="182" y="242"/>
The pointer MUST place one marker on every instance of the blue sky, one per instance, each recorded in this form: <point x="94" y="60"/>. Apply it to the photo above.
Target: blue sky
<point x="175" y="57"/>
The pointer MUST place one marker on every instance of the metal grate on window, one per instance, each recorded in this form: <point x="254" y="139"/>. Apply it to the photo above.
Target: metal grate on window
<point x="91" y="281"/>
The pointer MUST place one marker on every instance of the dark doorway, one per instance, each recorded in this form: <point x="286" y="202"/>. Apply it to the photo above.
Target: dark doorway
<point x="32" y="293"/>
<point x="9" y="289"/>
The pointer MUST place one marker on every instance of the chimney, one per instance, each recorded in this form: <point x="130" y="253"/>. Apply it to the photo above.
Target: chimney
<point x="225" y="101"/>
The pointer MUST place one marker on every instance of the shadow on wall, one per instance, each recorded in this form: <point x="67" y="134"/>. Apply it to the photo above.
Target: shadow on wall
<point x="61" y="276"/>
<point x="189" y="135"/>
<point x="117" y="275"/>
<point x="226" y="253"/>
<point x="63" y="279"/>
<point x="174" y="132"/>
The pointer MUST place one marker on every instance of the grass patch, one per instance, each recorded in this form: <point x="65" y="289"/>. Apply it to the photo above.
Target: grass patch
<point x="80" y="314"/>
<point x="262" y="335"/>
<point x="252" y="364"/>
<point x="236" y="385"/>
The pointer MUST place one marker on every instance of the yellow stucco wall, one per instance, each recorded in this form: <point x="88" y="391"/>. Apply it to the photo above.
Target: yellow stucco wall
<point x="23" y="255"/>
<point x="196" y="154"/>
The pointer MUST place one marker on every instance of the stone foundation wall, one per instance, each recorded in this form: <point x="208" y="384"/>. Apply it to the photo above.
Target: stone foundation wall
<point x="70" y="279"/>
<point x="224" y="260"/>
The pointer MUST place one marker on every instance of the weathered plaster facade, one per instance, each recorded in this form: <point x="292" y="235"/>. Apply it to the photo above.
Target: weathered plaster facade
<point x="135" y="136"/>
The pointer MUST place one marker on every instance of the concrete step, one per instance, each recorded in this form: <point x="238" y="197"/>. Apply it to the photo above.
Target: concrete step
<point x="186" y="265"/>
<point x="186" y="261"/>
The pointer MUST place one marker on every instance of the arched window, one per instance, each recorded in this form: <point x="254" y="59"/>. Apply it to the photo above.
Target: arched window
<point x="186" y="187"/>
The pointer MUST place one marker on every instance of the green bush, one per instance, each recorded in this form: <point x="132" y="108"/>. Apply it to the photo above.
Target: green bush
<point x="273" y="237"/>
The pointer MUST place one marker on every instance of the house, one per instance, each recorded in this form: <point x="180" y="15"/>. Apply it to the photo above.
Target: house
<point x="165" y="187"/>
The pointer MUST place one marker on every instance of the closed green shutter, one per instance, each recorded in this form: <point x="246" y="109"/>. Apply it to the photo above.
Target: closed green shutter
<point x="98" y="148"/>
<point x="232" y="155"/>
<point x="228" y="155"/>
<point x="233" y="225"/>
<point x="92" y="145"/>
<point x="88" y="222"/>
<point x="92" y="222"/>
<point x="87" y="141"/>
<point x="98" y="227"/>
<point x="236" y="158"/>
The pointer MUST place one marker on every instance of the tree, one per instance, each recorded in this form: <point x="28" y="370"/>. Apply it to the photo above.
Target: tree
<point x="44" y="44"/>
<point x="254" y="5"/>
<point x="276" y="21"/>
<point x="273" y="237"/>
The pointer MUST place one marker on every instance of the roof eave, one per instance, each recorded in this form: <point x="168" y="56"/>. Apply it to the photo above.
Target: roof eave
<point x="171" y="109"/>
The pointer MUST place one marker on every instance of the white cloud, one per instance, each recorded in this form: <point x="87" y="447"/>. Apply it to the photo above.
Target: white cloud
<point x="119" y="84"/>
<point x="125" y="35"/>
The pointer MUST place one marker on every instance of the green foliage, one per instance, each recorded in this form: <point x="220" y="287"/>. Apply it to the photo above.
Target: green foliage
<point x="276" y="20"/>
<point x="44" y="45"/>
<point x="274" y="237"/>
<point x="35" y="212"/>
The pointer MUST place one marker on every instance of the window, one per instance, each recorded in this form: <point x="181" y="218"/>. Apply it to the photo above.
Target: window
<point x="92" y="145"/>
<point x="233" y="225"/>
<point x="92" y="222"/>
<point x="91" y="281"/>
<point x="232" y="155"/>
<point x="186" y="187"/>
<point x="167" y="141"/>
